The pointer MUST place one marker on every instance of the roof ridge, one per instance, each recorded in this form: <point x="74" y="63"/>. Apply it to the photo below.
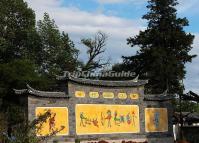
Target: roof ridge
<point x="40" y="93"/>
<point x="97" y="82"/>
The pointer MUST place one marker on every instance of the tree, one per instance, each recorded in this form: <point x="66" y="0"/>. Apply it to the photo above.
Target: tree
<point x="95" y="47"/>
<point x="18" y="45"/>
<point x="164" y="48"/>
<point x="58" y="52"/>
<point x="22" y="49"/>
<point x="25" y="132"/>
<point x="17" y="22"/>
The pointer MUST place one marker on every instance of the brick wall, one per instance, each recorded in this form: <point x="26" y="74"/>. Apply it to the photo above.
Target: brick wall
<point x="165" y="137"/>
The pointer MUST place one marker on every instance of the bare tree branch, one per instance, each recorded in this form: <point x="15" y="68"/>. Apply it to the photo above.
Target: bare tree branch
<point x="95" y="47"/>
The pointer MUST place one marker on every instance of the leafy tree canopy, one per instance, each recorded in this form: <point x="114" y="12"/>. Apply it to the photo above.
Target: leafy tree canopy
<point x="164" y="48"/>
<point x="17" y="22"/>
<point x="30" y="54"/>
<point x="17" y="26"/>
<point x="58" y="52"/>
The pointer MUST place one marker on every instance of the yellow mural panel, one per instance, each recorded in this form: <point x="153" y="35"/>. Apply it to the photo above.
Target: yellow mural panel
<point x="57" y="122"/>
<point x="108" y="94"/>
<point x="106" y="119"/>
<point x="156" y="120"/>
<point x="80" y="94"/>
<point x="94" y="94"/>
<point x="134" y="95"/>
<point x="122" y="95"/>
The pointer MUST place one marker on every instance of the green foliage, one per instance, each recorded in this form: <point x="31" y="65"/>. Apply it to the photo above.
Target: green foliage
<point x="186" y="106"/>
<point x="17" y="22"/>
<point x="18" y="46"/>
<point x="77" y="140"/>
<point x="25" y="132"/>
<point x="16" y="74"/>
<point x="164" y="48"/>
<point x="28" y="54"/>
<point x="57" y="51"/>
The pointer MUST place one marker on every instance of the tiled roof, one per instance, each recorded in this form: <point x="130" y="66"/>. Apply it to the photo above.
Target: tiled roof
<point x="159" y="97"/>
<point x="125" y="83"/>
<point x="38" y="93"/>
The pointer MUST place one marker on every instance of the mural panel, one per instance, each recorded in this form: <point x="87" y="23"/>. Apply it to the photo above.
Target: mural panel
<point x="57" y="122"/>
<point x="106" y="119"/>
<point x="156" y="120"/>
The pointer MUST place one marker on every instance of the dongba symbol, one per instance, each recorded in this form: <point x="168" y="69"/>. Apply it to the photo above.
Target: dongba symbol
<point x="117" y="119"/>
<point x="108" y="117"/>
<point x="82" y="119"/>
<point x="156" y="119"/>
<point x="86" y="121"/>
<point x="133" y="116"/>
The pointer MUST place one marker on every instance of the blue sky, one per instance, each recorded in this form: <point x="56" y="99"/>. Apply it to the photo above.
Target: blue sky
<point x="119" y="19"/>
<point x="134" y="9"/>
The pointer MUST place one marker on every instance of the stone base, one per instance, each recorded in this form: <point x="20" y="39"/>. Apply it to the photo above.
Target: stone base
<point x="119" y="141"/>
<point x="160" y="140"/>
<point x="149" y="140"/>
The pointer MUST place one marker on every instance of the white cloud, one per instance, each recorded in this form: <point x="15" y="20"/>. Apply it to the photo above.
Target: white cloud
<point x="111" y="1"/>
<point x="81" y="24"/>
<point x="183" y="6"/>
<point x="192" y="77"/>
<point x="188" y="6"/>
<point x="121" y="1"/>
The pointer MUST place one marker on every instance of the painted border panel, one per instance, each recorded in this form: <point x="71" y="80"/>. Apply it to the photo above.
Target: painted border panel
<point x="156" y="120"/>
<point x="57" y="121"/>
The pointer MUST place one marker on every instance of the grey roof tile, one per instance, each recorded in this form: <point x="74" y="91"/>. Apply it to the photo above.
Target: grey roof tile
<point x="126" y="83"/>
<point x="39" y="93"/>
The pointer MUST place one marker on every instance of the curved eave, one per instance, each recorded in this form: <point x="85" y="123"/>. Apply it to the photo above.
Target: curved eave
<point x="126" y="83"/>
<point x="38" y="93"/>
<point x="187" y="116"/>
<point x="158" y="98"/>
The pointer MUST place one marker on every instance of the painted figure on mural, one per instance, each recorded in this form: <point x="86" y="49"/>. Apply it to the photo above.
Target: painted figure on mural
<point x="102" y="119"/>
<point x="117" y="119"/>
<point x="156" y="119"/>
<point x="108" y="117"/>
<point x="52" y="122"/>
<point x="82" y="117"/>
<point x="122" y="120"/>
<point x="133" y="117"/>
<point x="87" y="121"/>
<point x="128" y="119"/>
<point x="95" y="122"/>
